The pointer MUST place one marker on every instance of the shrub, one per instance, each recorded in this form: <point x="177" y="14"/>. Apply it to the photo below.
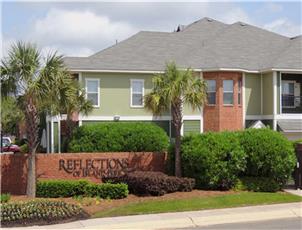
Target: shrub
<point x="5" y="197"/>
<point x="214" y="159"/>
<point x="155" y="183"/>
<point x="269" y="154"/>
<point x="60" y="188"/>
<point x="119" y="137"/>
<point x="24" y="148"/>
<point x="39" y="211"/>
<point x="71" y="188"/>
<point x="107" y="190"/>
<point x="257" y="184"/>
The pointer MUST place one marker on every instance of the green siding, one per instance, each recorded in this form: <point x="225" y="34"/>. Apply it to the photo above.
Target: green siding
<point x="187" y="110"/>
<point x="191" y="127"/>
<point x="268" y="101"/>
<point x="253" y="94"/>
<point x="115" y="94"/>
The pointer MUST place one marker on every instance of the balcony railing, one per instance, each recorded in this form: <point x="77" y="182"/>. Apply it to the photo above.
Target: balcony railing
<point x="290" y="101"/>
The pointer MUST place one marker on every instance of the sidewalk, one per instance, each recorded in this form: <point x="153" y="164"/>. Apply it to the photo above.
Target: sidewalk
<point x="185" y="219"/>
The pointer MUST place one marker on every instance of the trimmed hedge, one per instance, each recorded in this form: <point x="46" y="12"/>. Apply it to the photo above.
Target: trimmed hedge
<point x="155" y="183"/>
<point x="269" y="154"/>
<point x="39" y="211"/>
<point x="119" y="137"/>
<point x="70" y="188"/>
<point x="107" y="190"/>
<point x="61" y="188"/>
<point x="214" y="159"/>
<point x="257" y="184"/>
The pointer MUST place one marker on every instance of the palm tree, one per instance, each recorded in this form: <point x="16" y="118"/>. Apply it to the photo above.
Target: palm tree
<point x="171" y="91"/>
<point x="40" y="86"/>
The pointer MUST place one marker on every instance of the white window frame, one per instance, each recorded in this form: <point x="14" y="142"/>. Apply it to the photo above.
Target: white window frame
<point x="239" y="93"/>
<point x="288" y="82"/>
<point x="223" y="92"/>
<point x="98" y="92"/>
<point x="143" y="92"/>
<point x="210" y="91"/>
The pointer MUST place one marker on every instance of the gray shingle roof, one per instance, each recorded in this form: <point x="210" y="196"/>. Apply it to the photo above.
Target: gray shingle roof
<point x="205" y="44"/>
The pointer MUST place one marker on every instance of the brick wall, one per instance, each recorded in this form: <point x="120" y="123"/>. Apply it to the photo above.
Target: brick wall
<point x="221" y="117"/>
<point x="74" y="166"/>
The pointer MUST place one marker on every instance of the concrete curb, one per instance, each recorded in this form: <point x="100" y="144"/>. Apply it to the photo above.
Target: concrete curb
<point x="185" y="219"/>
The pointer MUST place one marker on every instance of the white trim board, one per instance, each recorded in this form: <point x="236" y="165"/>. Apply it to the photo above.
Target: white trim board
<point x="283" y="116"/>
<point x="196" y="69"/>
<point x="137" y="118"/>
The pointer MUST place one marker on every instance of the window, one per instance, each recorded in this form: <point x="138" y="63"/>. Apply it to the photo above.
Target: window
<point x="239" y="91"/>
<point x="137" y="93"/>
<point x="93" y="91"/>
<point x="211" y="92"/>
<point x="288" y="94"/>
<point x="228" y="92"/>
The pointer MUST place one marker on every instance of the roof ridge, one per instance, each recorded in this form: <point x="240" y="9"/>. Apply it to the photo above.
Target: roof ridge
<point x="256" y="27"/>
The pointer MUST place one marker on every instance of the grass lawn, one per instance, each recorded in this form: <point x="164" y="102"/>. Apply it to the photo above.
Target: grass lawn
<point x="199" y="203"/>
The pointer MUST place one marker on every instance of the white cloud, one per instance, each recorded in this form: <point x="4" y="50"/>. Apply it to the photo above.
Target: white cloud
<point x="285" y="27"/>
<point x="6" y="43"/>
<point x="273" y="7"/>
<point x="78" y="32"/>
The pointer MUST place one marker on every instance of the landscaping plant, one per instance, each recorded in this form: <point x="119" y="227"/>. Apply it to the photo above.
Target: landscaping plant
<point x="72" y="188"/>
<point x="172" y="90"/>
<point x="4" y="197"/>
<point x="215" y="160"/>
<point x="39" y="211"/>
<point x="269" y="154"/>
<point x="155" y="183"/>
<point x="119" y="137"/>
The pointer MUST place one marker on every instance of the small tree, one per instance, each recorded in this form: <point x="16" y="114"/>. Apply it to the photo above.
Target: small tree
<point x="40" y="86"/>
<point x="171" y="91"/>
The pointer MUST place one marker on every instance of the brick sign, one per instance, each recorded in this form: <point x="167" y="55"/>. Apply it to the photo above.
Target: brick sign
<point x="75" y="166"/>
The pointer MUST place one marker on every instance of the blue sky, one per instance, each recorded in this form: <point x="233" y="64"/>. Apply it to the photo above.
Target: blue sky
<point x="80" y="29"/>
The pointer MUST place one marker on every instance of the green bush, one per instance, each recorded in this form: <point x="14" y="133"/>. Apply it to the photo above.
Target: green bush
<point x="214" y="159"/>
<point x="119" y="137"/>
<point x="24" y="148"/>
<point x="71" y="188"/>
<point x="60" y="188"/>
<point x="4" y="197"/>
<point x="257" y="184"/>
<point x="107" y="190"/>
<point x="46" y="211"/>
<point x="269" y="154"/>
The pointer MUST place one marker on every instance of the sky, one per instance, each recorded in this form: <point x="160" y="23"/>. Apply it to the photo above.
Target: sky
<point x="83" y="28"/>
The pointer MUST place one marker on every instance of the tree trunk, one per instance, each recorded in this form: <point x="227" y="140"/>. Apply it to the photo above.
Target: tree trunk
<point x="31" y="175"/>
<point x="32" y="131"/>
<point x="177" y="121"/>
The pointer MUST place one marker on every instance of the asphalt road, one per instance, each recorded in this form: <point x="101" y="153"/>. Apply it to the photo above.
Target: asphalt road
<point x="284" y="224"/>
